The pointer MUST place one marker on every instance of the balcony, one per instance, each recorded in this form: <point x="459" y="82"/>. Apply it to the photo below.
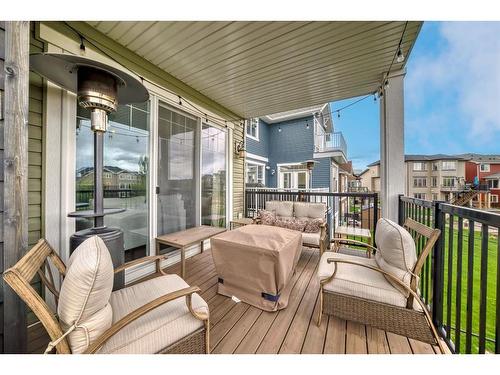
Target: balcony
<point x="331" y="145"/>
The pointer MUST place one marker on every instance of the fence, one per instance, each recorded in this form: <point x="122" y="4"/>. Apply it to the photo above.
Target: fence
<point x="461" y="283"/>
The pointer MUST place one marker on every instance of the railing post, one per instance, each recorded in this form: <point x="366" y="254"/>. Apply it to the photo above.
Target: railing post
<point x="401" y="209"/>
<point x="375" y="212"/>
<point x="438" y="268"/>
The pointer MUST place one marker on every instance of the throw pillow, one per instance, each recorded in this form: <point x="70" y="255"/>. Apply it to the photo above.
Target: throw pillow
<point x="267" y="217"/>
<point x="313" y="225"/>
<point x="290" y="223"/>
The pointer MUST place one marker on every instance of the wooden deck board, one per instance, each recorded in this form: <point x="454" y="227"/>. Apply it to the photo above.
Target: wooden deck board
<point x="241" y="328"/>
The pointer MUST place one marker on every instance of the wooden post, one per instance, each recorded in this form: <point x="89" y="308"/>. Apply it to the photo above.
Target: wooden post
<point x="15" y="223"/>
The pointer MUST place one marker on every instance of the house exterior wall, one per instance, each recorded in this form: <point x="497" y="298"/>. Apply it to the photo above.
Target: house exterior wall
<point x="473" y="169"/>
<point x="35" y="157"/>
<point x="439" y="191"/>
<point x="370" y="178"/>
<point x="294" y="144"/>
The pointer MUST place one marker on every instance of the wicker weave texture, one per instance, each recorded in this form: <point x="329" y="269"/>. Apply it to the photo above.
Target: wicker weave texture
<point x="192" y="344"/>
<point x="402" y="321"/>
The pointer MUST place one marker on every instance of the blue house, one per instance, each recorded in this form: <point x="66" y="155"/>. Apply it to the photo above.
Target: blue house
<point x="281" y="147"/>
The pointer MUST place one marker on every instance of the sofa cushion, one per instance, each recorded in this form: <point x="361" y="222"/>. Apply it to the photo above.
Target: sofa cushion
<point x="159" y="328"/>
<point x="290" y="223"/>
<point x="310" y="238"/>
<point x="396" y="252"/>
<point x="308" y="210"/>
<point x="280" y="208"/>
<point x="358" y="281"/>
<point x="313" y="225"/>
<point x="85" y="293"/>
<point x="267" y="217"/>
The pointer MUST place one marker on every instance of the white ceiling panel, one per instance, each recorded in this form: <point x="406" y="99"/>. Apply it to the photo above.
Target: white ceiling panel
<point x="258" y="68"/>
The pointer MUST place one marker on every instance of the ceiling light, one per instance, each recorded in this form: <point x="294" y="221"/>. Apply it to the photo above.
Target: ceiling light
<point x="400" y="57"/>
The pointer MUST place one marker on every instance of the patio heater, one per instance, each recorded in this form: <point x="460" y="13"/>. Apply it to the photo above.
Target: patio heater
<point x="99" y="88"/>
<point x="310" y="164"/>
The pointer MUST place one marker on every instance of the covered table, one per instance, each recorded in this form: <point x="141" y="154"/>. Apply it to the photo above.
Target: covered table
<point x="255" y="263"/>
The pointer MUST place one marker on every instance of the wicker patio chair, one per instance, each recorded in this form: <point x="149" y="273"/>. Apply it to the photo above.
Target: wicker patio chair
<point x="132" y="321"/>
<point x="374" y="292"/>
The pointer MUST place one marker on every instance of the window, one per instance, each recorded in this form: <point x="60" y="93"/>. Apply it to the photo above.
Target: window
<point x="125" y="149"/>
<point x="493" y="184"/>
<point x="449" y="165"/>
<point x="420" y="182"/>
<point x="213" y="176"/>
<point x="253" y="128"/>
<point x="448" y="181"/>
<point x="419" y="195"/>
<point x="484" y="167"/>
<point x="255" y="173"/>
<point x="178" y="170"/>
<point x="434" y="182"/>
<point x="494" y="198"/>
<point x="419" y="166"/>
<point x="434" y="197"/>
<point x="435" y="166"/>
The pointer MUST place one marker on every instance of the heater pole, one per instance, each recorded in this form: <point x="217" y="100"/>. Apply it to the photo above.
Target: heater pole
<point x="98" y="183"/>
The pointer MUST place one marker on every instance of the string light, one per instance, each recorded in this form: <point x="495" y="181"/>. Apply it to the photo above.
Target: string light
<point x="400" y="57"/>
<point x="307" y="125"/>
<point x="215" y="119"/>
<point x="338" y="114"/>
<point x="374" y="97"/>
<point x="279" y="129"/>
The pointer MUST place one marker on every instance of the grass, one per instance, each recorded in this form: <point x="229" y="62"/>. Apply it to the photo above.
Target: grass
<point x="451" y="281"/>
<point x="450" y="286"/>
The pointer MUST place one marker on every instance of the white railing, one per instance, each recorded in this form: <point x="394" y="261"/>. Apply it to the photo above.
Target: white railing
<point x="330" y="142"/>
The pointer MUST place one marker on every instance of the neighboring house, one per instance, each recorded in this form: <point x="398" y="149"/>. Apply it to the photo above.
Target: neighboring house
<point x="487" y="170"/>
<point x="114" y="178"/>
<point x="446" y="177"/>
<point x="278" y="147"/>
<point x="370" y="177"/>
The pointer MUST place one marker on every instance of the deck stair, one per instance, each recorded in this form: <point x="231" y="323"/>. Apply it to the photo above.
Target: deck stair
<point x="465" y="198"/>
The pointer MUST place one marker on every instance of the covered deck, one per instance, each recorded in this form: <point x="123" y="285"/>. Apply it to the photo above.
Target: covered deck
<point x="239" y="328"/>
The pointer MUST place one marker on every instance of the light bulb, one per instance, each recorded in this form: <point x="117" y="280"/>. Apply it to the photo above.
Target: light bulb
<point x="400" y="57"/>
<point x="279" y="129"/>
<point x="307" y="125"/>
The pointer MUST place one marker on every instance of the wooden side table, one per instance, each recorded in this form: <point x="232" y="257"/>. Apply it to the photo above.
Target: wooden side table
<point x="185" y="238"/>
<point x="240" y="222"/>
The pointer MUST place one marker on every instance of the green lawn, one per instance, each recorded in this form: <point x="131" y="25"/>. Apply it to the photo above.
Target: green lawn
<point x="491" y="277"/>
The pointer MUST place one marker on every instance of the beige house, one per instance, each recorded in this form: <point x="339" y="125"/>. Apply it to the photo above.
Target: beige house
<point x="430" y="177"/>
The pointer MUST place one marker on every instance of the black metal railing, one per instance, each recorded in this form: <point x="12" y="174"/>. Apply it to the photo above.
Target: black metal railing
<point x="461" y="282"/>
<point x="359" y="210"/>
<point x="84" y="196"/>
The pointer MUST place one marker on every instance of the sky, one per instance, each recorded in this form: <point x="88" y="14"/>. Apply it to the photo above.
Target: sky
<point x="452" y="96"/>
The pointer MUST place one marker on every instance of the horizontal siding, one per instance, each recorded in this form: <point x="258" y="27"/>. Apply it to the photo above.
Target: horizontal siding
<point x="321" y="174"/>
<point x="238" y="175"/>
<point x="260" y="147"/>
<point x="294" y="144"/>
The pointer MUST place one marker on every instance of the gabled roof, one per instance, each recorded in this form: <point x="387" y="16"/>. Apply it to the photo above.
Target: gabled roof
<point x="290" y="115"/>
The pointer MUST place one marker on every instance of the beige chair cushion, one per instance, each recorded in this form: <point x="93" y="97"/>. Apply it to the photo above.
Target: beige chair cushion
<point x="280" y="208"/>
<point x="361" y="282"/>
<point x="85" y="293"/>
<point x="310" y="238"/>
<point x="307" y="210"/>
<point x="396" y="252"/>
<point x="159" y="328"/>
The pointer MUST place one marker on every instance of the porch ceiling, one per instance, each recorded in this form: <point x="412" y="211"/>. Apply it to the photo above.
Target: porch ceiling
<point x="259" y="68"/>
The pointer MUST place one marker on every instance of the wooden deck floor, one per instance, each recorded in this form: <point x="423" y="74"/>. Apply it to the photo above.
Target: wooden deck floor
<point x="241" y="328"/>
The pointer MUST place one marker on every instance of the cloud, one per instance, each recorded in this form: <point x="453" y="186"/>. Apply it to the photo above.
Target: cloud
<point x="462" y="79"/>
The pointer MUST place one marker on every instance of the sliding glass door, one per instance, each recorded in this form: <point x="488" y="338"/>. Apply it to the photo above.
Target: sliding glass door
<point x="213" y="176"/>
<point x="178" y="166"/>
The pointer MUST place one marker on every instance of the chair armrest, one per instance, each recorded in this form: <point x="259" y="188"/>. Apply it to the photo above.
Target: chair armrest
<point x="141" y="311"/>
<point x="412" y="293"/>
<point x="136" y="262"/>
<point x="354" y="242"/>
